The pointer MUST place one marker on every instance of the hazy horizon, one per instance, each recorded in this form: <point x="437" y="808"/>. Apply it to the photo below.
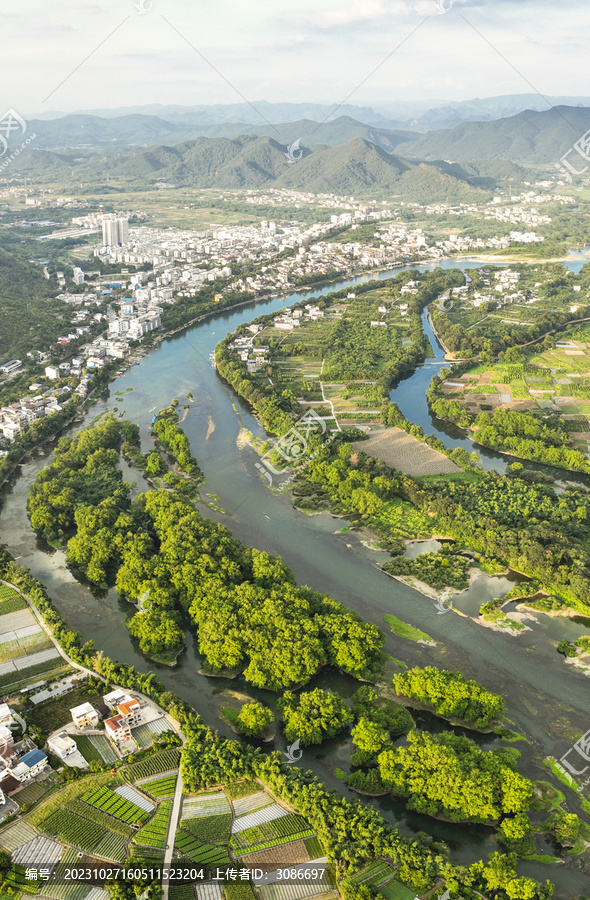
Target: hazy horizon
<point x="361" y="52"/>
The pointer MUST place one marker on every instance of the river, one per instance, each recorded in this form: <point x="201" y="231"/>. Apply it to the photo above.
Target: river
<point x="525" y="669"/>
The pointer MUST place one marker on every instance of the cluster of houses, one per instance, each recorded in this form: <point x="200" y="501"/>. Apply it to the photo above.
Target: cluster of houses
<point x="16" y="417"/>
<point x="20" y="761"/>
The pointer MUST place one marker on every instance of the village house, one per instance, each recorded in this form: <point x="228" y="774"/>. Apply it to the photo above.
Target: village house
<point x="84" y="715"/>
<point x="62" y="745"/>
<point x="117" y="729"/>
<point x="29" y="765"/>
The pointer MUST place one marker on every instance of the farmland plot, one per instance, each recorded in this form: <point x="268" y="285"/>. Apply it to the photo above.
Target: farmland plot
<point x="198" y="852"/>
<point x="266" y="814"/>
<point x="135" y="797"/>
<point x="295" y="891"/>
<point x="15" y="836"/>
<point x="243" y="805"/>
<point x="40" y="851"/>
<point x="164" y="761"/>
<point x="209" y="892"/>
<point x="160" y="787"/>
<point x="155" y="832"/>
<point x="112" y="803"/>
<point x="270" y="834"/>
<point x="205" y="805"/>
<point x="100" y="742"/>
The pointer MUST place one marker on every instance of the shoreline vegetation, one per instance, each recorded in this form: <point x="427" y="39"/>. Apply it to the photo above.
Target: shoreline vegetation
<point x="397" y="507"/>
<point x="90" y="460"/>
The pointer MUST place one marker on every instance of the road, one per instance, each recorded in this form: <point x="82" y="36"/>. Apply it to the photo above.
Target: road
<point x="172" y="826"/>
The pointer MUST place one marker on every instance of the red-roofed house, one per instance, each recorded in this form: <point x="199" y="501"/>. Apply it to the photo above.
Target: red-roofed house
<point x="130" y="710"/>
<point x="117" y="729"/>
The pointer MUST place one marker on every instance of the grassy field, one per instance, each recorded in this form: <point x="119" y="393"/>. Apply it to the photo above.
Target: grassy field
<point x="402" y="629"/>
<point x="164" y="761"/>
<point x="70" y="792"/>
<point x="49" y="716"/>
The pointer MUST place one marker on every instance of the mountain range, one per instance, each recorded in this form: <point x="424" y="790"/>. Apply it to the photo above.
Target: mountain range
<point x="529" y="138"/>
<point x="358" y="167"/>
<point x="137" y="130"/>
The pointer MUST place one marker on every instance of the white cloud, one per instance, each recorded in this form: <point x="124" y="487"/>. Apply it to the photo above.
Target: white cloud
<point x="303" y="51"/>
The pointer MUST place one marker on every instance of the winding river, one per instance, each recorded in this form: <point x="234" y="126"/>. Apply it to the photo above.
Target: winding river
<point x="525" y="669"/>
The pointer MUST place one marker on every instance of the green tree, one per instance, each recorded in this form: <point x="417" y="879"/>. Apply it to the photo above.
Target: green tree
<point x="313" y="716"/>
<point x="369" y="736"/>
<point x="254" y="718"/>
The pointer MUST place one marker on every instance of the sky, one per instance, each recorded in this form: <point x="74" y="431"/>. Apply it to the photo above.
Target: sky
<point x="84" y="54"/>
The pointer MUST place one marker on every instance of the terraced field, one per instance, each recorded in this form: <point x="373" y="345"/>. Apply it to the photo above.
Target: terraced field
<point x="160" y="787"/>
<point x="164" y="761"/>
<point x="154" y="833"/>
<point x="270" y="834"/>
<point x="115" y="805"/>
<point x="198" y="852"/>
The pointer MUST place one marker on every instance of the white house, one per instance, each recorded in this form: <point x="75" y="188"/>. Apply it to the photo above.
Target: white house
<point x="29" y="765"/>
<point x="62" y="745"/>
<point x="114" y="697"/>
<point x="84" y="715"/>
<point x="6" y="717"/>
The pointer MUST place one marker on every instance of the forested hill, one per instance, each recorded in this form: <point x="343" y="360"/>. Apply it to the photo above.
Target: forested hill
<point x="357" y="167"/>
<point x="139" y="130"/>
<point x="28" y="312"/>
<point x="528" y="138"/>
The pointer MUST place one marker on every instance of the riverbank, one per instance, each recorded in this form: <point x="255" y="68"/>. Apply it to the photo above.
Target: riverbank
<point x="320" y="559"/>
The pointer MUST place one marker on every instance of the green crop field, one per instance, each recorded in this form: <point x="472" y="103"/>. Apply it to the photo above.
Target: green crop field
<point x="215" y="829"/>
<point x="182" y="892"/>
<point x="164" y="761"/>
<point x="269" y="834"/>
<point x="10" y="601"/>
<point x="154" y="833"/>
<point x="242" y="789"/>
<point x="87" y="748"/>
<point x="314" y="848"/>
<point x="15" y="880"/>
<point x="115" y="805"/>
<point x="74" y="830"/>
<point x="199" y="852"/>
<point x="101" y="818"/>
<point x="112" y="846"/>
<point x="160" y="787"/>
